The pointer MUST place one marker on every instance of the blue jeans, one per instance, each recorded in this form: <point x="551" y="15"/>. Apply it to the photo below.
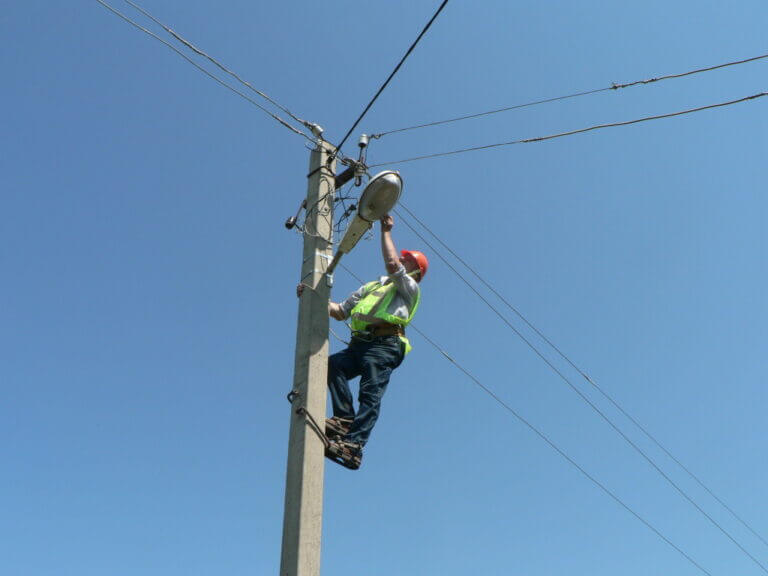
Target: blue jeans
<point x="374" y="362"/>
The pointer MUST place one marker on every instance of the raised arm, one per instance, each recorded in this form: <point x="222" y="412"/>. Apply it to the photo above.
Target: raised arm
<point x="388" y="250"/>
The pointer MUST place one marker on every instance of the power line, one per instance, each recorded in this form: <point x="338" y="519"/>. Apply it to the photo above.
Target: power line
<point x="203" y="70"/>
<point x="582" y="373"/>
<point x="594" y="407"/>
<point x="690" y="72"/>
<point x="572" y="132"/>
<point x="613" y="87"/>
<point x="196" y="50"/>
<point x="559" y="450"/>
<point x="402" y="60"/>
<point x="549" y="442"/>
<point x="490" y="112"/>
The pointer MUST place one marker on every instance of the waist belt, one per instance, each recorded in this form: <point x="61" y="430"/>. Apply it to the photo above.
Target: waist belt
<point x="379" y="330"/>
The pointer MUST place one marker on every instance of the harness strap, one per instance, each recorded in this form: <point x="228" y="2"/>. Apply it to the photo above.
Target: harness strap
<point x="370" y="317"/>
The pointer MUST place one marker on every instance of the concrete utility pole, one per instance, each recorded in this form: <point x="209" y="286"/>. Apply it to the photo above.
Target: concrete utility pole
<point x="303" y="518"/>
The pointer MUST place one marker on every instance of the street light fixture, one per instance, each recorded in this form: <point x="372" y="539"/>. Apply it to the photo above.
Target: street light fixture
<point x="379" y="197"/>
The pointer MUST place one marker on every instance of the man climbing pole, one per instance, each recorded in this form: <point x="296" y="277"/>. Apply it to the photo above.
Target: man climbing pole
<point x="378" y="311"/>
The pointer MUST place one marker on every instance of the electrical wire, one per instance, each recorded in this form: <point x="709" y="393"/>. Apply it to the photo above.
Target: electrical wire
<point x="196" y="50"/>
<point x="203" y="70"/>
<point x="347" y="211"/>
<point x="323" y="207"/>
<point x="594" y="407"/>
<point x="558" y="449"/>
<point x="690" y="72"/>
<point x="548" y="441"/>
<point x="309" y="125"/>
<point x="585" y="376"/>
<point x="612" y="87"/>
<point x="572" y="132"/>
<point x="582" y="373"/>
<point x="490" y="112"/>
<point x="399" y="64"/>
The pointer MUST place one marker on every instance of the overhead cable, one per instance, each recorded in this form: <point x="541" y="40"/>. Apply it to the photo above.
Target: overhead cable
<point x="690" y="72"/>
<point x="582" y="373"/>
<point x="196" y="50"/>
<point x="559" y="450"/>
<point x="203" y="70"/>
<point x="572" y="132"/>
<point x="399" y="64"/>
<point x="490" y="112"/>
<point x="613" y="87"/>
<point x="591" y="404"/>
<point x="548" y="441"/>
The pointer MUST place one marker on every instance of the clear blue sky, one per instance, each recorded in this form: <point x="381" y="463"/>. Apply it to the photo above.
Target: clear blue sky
<point x="148" y="315"/>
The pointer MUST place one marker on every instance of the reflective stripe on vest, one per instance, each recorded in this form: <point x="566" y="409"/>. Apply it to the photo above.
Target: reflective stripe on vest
<point x="372" y="309"/>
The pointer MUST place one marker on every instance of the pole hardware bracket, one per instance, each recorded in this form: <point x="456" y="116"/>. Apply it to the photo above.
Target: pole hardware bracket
<point x="312" y="423"/>
<point x="316" y="129"/>
<point x="360" y="167"/>
<point x="292" y="395"/>
<point x="291" y="221"/>
<point x="318" y="169"/>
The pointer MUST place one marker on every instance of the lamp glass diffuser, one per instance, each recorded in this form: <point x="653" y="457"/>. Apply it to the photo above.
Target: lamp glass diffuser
<point x="380" y="195"/>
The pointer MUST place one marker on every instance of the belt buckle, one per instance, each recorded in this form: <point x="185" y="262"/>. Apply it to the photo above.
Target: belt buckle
<point x="364" y="335"/>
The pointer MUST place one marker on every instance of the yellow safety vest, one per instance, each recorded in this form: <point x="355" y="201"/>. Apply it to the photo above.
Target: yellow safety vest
<point x="372" y="309"/>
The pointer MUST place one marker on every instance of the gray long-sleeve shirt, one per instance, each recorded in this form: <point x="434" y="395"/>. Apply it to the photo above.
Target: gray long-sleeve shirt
<point x="407" y="290"/>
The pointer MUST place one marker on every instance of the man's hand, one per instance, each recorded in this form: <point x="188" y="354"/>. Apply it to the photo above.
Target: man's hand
<point x="334" y="308"/>
<point x="336" y="311"/>
<point x="387" y="222"/>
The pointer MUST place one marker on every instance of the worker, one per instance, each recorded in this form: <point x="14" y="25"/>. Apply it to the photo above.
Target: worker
<point x="379" y="311"/>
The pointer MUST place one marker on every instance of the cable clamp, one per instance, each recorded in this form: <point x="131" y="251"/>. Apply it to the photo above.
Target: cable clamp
<point x="321" y="167"/>
<point x="292" y="395"/>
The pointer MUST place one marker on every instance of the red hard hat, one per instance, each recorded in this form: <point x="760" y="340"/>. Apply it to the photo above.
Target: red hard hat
<point x="417" y="257"/>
